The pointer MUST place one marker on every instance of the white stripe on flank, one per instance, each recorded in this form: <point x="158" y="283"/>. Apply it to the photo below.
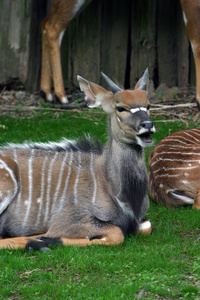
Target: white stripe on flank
<point x="6" y="200"/>
<point x="18" y="200"/>
<point x="196" y="131"/>
<point x="41" y="198"/>
<point x="94" y="178"/>
<point x="30" y="180"/>
<point x="125" y="207"/>
<point x="177" y="139"/>
<point x="191" y="136"/>
<point x="77" y="179"/>
<point x="174" y="160"/>
<point x="167" y="175"/>
<point x="49" y="186"/>
<point x="169" y="169"/>
<point x="59" y="182"/>
<point x="178" y="152"/>
<point x="66" y="182"/>
<point x="185" y="147"/>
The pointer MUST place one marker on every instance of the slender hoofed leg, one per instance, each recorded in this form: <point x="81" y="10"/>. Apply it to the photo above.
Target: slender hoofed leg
<point x="46" y="71"/>
<point x="109" y="236"/>
<point x="17" y="242"/>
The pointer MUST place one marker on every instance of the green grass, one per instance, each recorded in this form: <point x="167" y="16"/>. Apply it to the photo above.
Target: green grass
<point x="164" y="265"/>
<point x="46" y="127"/>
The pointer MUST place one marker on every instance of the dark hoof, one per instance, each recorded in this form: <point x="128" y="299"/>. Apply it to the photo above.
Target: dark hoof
<point x="93" y="237"/>
<point x="42" y="243"/>
<point x="43" y="95"/>
<point x="198" y="106"/>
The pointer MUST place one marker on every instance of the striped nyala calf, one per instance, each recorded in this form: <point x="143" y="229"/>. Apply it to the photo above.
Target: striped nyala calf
<point x="76" y="192"/>
<point x="174" y="170"/>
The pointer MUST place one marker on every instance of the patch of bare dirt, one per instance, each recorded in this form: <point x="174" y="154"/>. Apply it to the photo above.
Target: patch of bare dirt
<point x="22" y="103"/>
<point x="175" y="104"/>
<point x="168" y="104"/>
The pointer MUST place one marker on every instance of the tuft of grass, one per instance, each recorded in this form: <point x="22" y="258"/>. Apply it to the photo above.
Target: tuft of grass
<point x="164" y="265"/>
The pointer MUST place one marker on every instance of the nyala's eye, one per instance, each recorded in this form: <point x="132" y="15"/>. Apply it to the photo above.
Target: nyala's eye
<point x="120" y="109"/>
<point x="148" y="107"/>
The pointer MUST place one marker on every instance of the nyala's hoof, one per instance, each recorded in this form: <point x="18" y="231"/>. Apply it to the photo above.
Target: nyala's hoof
<point x="144" y="227"/>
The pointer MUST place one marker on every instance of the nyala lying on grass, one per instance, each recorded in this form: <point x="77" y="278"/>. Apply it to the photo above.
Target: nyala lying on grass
<point x="76" y="192"/>
<point x="174" y="168"/>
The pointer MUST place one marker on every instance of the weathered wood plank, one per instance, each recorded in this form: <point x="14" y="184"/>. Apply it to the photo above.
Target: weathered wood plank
<point x="83" y="45"/>
<point x="182" y="50"/>
<point x="14" y="37"/>
<point x="114" y="38"/>
<point x="39" y="9"/>
<point x="167" y="42"/>
<point x="143" y="34"/>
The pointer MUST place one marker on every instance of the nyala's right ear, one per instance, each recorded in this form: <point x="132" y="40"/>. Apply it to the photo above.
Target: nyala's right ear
<point x="96" y="96"/>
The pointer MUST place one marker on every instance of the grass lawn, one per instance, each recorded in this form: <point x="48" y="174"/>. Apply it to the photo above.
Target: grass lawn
<point x="164" y="265"/>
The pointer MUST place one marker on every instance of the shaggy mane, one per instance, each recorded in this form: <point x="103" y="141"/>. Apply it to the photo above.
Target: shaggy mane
<point x="85" y="144"/>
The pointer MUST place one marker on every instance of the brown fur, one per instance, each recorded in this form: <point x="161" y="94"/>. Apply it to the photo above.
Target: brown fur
<point x="174" y="169"/>
<point x="57" y="20"/>
<point x="191" y="9"/>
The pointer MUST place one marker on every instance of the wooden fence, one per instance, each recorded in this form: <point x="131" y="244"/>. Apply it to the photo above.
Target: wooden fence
<point x="120" y="37"/>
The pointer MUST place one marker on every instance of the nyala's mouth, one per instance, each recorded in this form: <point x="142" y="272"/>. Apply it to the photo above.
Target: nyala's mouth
<point x="146" y="137"/>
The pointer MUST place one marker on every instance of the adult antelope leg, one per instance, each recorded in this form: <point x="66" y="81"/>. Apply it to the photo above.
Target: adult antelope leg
<point x="191" y="9"/>
<point x="53" y="28"/>
<point x="197" y="66"/>
<point x="46" y="71"/>
<point x="17" y="242"/>
<point x="110" y="235"/>
<point x="51" y="61"/>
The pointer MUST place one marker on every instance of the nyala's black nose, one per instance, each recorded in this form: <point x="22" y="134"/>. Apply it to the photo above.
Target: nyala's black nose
<point x="146" y="125"/>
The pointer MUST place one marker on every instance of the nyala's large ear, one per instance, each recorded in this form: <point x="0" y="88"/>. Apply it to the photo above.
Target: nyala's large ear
<point x="96" y="96"/>
<point x="143" y="82"/>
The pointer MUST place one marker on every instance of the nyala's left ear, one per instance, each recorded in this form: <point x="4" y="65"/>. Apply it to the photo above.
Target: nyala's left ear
<point x="96" y="96"/>
<point x="143" y="82"/>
